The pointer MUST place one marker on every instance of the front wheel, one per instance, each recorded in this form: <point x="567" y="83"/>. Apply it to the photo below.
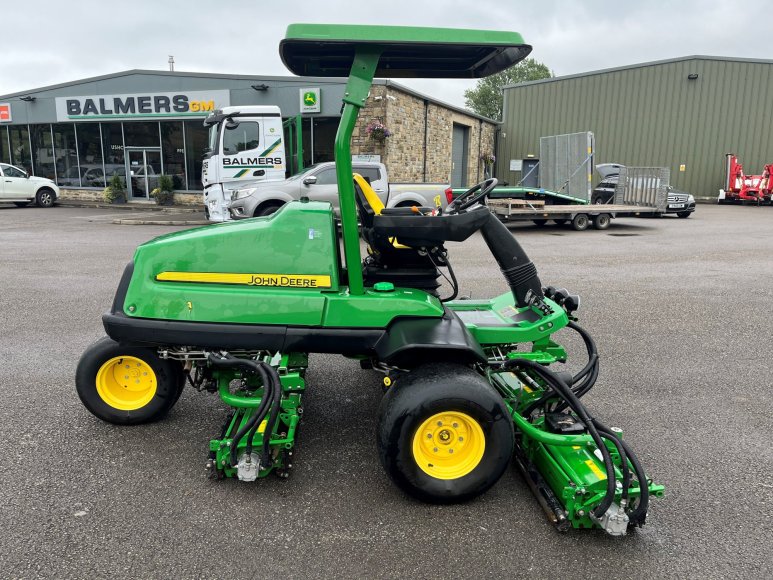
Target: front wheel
<point x="444" y="434"/>
<point x="126" y="385"/>
<point x="684" y="214"/>
<point x="44" y="198"/>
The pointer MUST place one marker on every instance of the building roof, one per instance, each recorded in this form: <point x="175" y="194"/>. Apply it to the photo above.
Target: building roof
<point x="640" y="65"/>
<point x="274" y="79"/>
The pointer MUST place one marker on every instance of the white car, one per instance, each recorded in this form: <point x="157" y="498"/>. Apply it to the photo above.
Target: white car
<point x="18" y="187"/>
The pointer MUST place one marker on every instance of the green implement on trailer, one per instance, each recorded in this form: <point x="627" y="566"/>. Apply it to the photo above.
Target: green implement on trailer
<point x="235" y="308"/>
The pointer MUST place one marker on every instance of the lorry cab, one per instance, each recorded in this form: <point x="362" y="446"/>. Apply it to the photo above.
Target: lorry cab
<point x="246" y="147"/>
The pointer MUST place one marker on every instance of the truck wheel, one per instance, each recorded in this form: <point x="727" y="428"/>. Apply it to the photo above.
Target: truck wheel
<point x="539" y="223"/>
<point x="267" y="209"/>
<point x="684" y="214"/>
<point x="44" y="198"/>
<point x="126" y="385"/>
<point x="580" y="222"/>
<point x="601" y="221"/>
<point x="444" y="434"/>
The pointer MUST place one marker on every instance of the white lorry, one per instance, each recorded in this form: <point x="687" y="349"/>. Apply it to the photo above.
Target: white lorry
<point x="246" y="147"/>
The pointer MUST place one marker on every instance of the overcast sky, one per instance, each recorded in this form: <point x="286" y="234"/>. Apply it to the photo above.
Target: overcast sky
<point x="49" y="41"/>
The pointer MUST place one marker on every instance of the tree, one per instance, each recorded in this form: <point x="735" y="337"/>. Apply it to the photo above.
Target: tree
<point x="486" y="98"/>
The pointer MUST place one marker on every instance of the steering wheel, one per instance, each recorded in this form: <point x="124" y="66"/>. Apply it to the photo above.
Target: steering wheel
<point x="472" y="196"/>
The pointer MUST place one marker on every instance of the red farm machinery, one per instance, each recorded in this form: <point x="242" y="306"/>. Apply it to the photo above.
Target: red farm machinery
<point x="740" y="187"/>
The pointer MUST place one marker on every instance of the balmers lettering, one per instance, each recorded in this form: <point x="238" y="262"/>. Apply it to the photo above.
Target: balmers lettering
<point x="137" y="105"/>
<point x="251" y="161"/>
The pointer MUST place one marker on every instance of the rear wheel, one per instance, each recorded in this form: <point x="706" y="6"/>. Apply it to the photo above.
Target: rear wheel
<point x="44" y="198"/>
<point x="21" y="203"/>
<point x="126" y="384"/>
<point x="580" y="222"/>
<point x="444" y="434"/>
<point x="601" y="221"/>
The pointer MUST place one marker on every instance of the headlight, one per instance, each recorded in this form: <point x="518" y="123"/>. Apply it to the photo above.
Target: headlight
<point x="690" y="199"/>
<point x="241" y="193"/>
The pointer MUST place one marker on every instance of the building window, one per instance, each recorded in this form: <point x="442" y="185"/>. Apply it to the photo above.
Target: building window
<point x="5" y="156"/>
<point x="89" y="144"/>
<point x="196" y="142"/>
<point x="65" y="155"/>
<point x="324" y="139"/>
<point x="20" y="147"/>
<point x="137" y="134"/>
<point x="173" y="152"/>
<point x="43" y="151"/>
<point x="112" y="144"/>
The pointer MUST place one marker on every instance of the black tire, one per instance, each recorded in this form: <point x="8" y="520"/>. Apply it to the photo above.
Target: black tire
<point x="561" y="222"/>
<point x="580" y="222"/>
<point x="436" y="390"/>
<point x="407" y="204"/>
<point x="101" y="357"/>
<point x="539" y="223"/>
<point x="44" y="197"/>
<point x="21" y="203"/>
<point x="267" y="209"/>
<point x="601" y="221"/>
<point x="684" y="214"/>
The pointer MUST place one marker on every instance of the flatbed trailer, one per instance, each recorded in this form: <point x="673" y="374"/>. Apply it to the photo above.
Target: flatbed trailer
<point x="580" y="216"/>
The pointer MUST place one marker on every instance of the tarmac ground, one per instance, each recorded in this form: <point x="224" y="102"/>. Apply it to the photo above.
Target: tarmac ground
<point x="681" y="311"/>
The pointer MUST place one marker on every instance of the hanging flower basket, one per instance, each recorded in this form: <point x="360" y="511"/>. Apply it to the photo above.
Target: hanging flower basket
<point x="378" y="131"/>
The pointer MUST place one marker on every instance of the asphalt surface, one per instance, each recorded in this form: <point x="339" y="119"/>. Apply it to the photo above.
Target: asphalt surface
<point x="681" y="311"/>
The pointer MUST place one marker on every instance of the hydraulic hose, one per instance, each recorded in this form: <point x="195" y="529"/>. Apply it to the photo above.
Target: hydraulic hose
<point x="271" y="396"/>
<point x="565" y="392"/>
<point x="637" y="516"/>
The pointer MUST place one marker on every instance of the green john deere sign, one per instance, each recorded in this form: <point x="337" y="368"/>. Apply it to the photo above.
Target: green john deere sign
<point x="310" y="100"/>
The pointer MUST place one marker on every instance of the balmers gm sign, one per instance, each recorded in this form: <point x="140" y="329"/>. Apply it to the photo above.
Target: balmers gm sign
<point x="141" y="106"/>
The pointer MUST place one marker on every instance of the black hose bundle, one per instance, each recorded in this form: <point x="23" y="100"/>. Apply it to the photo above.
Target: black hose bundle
<point x="272" y="393"/>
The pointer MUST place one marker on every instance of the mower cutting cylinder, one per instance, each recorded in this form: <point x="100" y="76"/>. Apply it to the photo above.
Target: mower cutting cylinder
<point x="246" y="435"/>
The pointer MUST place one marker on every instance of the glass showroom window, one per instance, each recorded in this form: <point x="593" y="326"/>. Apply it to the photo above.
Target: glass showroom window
<point x="43" y="151"/>
<point x="196" y="141"/>
<point x="141" y="134"/>
<point x="5" y="156"/>
<point x="90" y="154"/>
<point x="65" y="155"/>
<point x="20" y="147"/>
<point x="173" y="152"/>
<point x="112" y="143"/>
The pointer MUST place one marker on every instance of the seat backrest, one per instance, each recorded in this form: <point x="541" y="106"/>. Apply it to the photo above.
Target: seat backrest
<point x="368" y="202"/>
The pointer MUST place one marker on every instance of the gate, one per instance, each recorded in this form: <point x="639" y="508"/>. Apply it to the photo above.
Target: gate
<point x="566" y="163"/>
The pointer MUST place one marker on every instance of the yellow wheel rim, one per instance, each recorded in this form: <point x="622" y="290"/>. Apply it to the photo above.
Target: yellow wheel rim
<point x="126" y="383"/>
<point x="449" y="445"/>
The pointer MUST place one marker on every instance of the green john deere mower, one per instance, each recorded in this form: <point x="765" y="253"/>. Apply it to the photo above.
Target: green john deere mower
<point x="235" y="308"/>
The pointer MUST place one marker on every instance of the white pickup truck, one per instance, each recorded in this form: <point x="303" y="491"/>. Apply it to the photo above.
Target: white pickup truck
<point x="318" y="183"/>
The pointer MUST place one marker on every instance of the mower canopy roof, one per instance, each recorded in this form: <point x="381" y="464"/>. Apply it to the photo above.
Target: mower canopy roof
<point x="327" y="50"/>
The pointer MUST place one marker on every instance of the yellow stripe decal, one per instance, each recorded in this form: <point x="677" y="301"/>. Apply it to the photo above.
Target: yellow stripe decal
<point x="595" y="469"/>
<point x="281" y="280"/>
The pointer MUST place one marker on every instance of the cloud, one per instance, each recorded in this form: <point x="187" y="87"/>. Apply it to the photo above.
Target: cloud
<point x="49" y="41"/>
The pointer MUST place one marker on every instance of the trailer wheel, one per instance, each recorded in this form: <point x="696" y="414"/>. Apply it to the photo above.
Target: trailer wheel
<point x="539" y="223"/>
<point x="126" y="385"/>
<point x="444" y="434"/>
<point x="684" y="214"/>
<point x="601" y="221"/>
<point x="560" y="222"/>
<point x="580" y="222"/>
